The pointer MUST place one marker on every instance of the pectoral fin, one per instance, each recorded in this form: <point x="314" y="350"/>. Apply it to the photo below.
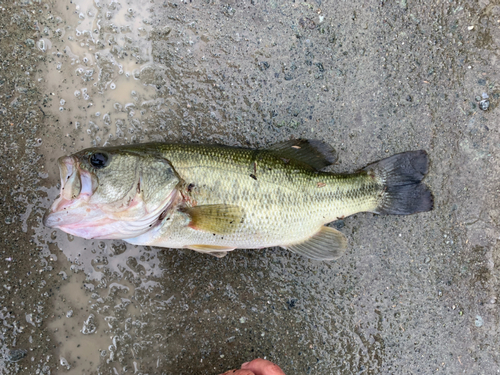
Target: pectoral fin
<point x="327" y="244"/>
<point x="216" y="251"/>
<point x="215" y="218"/>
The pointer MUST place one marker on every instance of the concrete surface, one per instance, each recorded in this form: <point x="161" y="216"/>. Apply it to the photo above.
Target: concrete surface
<point x="412" y="295"/>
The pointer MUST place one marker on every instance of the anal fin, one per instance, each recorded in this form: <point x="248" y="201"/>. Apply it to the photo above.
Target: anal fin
<point x="327" y="244"/>
<point x="218" y="254"/>
<point x="214" y="250"/>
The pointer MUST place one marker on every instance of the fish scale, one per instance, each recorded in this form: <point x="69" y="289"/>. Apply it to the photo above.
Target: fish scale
<point x="283" y="203"/>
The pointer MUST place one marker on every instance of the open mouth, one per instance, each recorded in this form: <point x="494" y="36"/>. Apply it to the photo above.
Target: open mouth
<point x="75" y="183"/>
<point x="70" y="178"/>
<point x="77" y="187"/>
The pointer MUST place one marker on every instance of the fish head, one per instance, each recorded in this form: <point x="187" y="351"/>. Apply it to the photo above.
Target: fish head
<point x="112" y="193"/>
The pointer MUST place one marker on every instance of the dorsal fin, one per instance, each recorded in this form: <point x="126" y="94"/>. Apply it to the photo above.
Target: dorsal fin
<point x="312" y="152"/>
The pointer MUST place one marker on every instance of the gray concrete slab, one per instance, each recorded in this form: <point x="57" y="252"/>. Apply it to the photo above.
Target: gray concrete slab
<point x="415" y="294"/>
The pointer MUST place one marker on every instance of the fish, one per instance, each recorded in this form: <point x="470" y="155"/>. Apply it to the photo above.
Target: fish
<point x="215" y="198"/>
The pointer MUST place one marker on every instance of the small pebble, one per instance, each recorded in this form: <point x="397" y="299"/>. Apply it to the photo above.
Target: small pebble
<point x="89" y="326"/>
<point x="64" y="362"/>
<point x="484" y="104"/>
<point x="41" y="44"/>
<point x="264" y="65"/>
<point x="479" y="321"/>
<point x="16" y="355"/>
<point x="340" y="224"/>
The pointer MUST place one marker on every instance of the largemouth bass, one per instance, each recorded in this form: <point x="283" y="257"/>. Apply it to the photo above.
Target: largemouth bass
<point x="214" y="199"/>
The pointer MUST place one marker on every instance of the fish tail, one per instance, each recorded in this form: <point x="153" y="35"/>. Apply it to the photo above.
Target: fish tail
<point x="401" y="176"/>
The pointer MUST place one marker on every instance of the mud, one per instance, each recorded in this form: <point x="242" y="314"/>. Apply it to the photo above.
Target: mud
<point x="414" y="294"/>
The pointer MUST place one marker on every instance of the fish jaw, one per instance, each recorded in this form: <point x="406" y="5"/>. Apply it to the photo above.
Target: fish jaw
<point x="73" y="211"/>
<point x="81" y="221"/>
<point x="77" y="186"/>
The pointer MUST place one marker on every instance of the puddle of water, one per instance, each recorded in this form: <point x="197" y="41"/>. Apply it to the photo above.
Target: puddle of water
<point x="85" y="322"/>
<point x="82" y="352"/>
<point x="95" y="53"/>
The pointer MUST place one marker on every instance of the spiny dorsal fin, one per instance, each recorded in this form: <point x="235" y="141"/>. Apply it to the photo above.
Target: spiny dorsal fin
<point x="314" y="153"/>
<point x="327" y="244"/>
<point x="215" y="218"/>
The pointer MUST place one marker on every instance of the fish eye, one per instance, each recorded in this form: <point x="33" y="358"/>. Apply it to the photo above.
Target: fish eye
<point x="99" y="160"/>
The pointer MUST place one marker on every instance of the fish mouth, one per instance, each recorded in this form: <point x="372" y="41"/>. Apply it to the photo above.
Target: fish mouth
<point x="77" y="186"/>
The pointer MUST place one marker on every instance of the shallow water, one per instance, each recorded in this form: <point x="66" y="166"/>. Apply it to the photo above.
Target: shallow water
<point x="412" y="294"/>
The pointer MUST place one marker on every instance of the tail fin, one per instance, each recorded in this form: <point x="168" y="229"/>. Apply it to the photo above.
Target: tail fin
<point x="401" y="175"/>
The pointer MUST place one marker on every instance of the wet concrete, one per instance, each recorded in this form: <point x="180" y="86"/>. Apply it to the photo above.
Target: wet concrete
<point x="412" y="295"/>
